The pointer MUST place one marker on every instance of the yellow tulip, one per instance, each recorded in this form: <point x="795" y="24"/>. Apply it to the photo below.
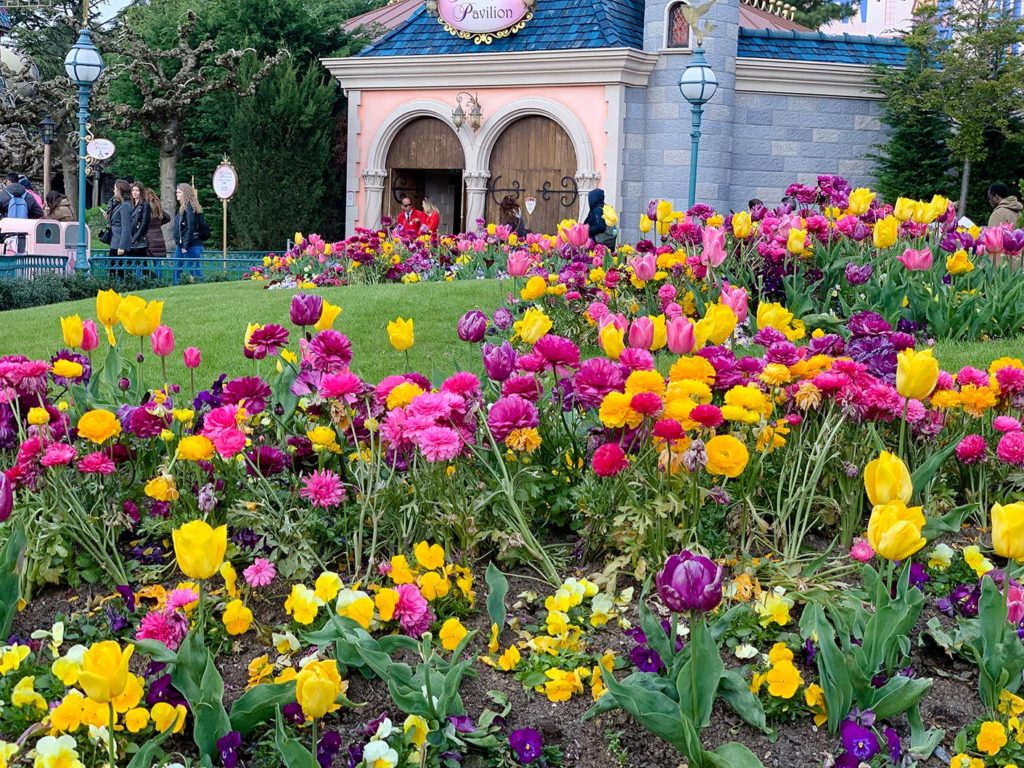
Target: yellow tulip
<point x="612" y="340"/>
<point x="104" y="673"/>
<point x="72" y="329"/>
<point x="533" y="325"/>
<point x="98" y="426"/>
<point x="400" y="334"/>
<point x="663" y="212"/>
<point x="916" y="373"/>
<point x="107" y="304"/>
<point x="886" y="232"/>
<point x="904" y="208"/>
<point x="237" y="618"/>
<point x="317" y="688"/>
<point x="741" y="225"/>
<point x="199" y="548"/>
<point x="887" y="479"/>
<point x="328" y="315"/>
<point x="68" y="369"/>
<point x="727" y="456"/>
<point x="660" y="332"/>
<point x="139" y="317"/>
<point x="894" y="530"/>
<point x="611" y="218"/>
<point x="1008" y="530"/>
<point x="718" y="322"/>
<point x="795" y="243"/>
<point x="645" y="223"/>
<point x="958" y="263"/>
<point x="860" y="201"/>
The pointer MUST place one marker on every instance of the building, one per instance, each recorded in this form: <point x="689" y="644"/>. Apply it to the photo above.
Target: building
<point x="584" y="94"/>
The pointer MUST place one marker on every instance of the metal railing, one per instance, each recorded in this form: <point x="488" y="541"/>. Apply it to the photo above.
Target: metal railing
<point x="165" y="270"/>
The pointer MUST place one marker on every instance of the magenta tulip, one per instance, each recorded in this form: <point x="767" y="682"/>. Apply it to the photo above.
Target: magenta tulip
<point x="713" y="252"/>
<point x="680" y="335"/>
<point x="690" y="582"/>
<point x="472" y="326"/>
<point x="918" y="260"/>
<point x="306" y="309"/>
<point x="519" y="263"/>
<point x="578" y="235"/>
<point x="192" y="357"/>
<point x="735" y="298"/>
<point x="644" y="266"/>
<point x="6" y="497"/>
<point x="162" y="341"/>
<point x="641" y="333"/>
<point x="992" y="240"/>
<point x="90" y="339"/>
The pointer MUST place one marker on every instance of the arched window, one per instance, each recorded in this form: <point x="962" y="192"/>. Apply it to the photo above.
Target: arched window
<point x="677" y="30"/>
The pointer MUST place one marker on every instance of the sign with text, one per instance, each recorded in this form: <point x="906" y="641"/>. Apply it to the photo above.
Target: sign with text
<point x="484" y="20"/>
<point x="100" y="149"/>
<point x="225" y="181"/>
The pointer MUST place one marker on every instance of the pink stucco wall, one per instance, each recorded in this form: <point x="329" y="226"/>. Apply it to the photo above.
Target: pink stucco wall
<point x="587" y="102"/>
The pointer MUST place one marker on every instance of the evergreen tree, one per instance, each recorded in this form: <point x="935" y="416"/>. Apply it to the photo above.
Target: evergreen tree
<point x="281" y="146"/>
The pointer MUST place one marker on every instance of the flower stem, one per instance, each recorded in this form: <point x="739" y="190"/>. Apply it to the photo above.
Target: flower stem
<point x="314" y="738"/>
<point x="111" y="746"/>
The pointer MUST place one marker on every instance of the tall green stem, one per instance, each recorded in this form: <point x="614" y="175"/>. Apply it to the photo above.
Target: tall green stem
<point x="111" y="745"/>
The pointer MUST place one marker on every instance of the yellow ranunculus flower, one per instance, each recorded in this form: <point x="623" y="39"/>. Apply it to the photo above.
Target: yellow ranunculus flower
<point x="237" y="618"/>
<point x="107" y="304"/>
<point x="162" y="488"/>
<point x="317" y="687"/>
<point x="71" y="327"/>
<point x="139" y="317"/>
<point x="199" y="548"/>
<point x="727" y="456"/>
<point x="1008" y="530"/>
<point x="916" y="373"/>
<point x="885" y="232"/>
<point x="38" y="416"/>
<point x="430" y="557"/>
<point x="958" y="263"/>
<point x="894" y="530"/>
<point x="860" y="201"/>
<point x="534" y="289"/>
<point x="328" y="315"/>
<point x="904" y="208"/>
<point x="104" y="673"/>
<point x="400" y="334"/>
<point x="887" y="479"/>
<point x="533" y="325"/>
<point x="195" y="448"/>
<point x="164" y="714"/>
<point x="98" y="426"/>
<point x="451" y="634"/>
<point x="741" y="225"/>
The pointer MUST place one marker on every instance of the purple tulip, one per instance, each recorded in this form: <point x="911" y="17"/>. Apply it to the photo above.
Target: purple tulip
<point x="1013" y="241"/>
<point x="527" y="745"/>
<point x="690" y="582"/>
<point x="6" y="497"/>
<point x="499" y="362"/>
<point x="306" y="309"/>
<point x="472" y="326"/>
<point x="858" y="275"/>
<point x="502" y="319"/>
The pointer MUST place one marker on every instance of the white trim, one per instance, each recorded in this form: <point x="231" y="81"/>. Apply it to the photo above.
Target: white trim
<point x="406" y="113"/>
<point x="352" y="178"/>
<point x="615" y="96"/>
<point x="584" y="66"/>
<point x="805" y="78"/>
<point x="496" y="123"/>
<point x="667" y="29"/>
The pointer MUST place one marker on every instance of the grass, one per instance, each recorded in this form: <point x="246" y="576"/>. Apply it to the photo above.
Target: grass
<point x="213" y="317"/>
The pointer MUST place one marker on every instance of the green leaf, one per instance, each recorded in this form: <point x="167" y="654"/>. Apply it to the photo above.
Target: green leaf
<point x="292" y="753"/>
<point x="10" y="579"/>
<point x="947" y="523"/>
<point x="497" y="589"/>
<point x="697" y="683"/>
<point x="898" y="695"/>
<point x="732" y="755"/>
<point x="156" y="651"/>
<point x="925" y="473"/>
<point x="196" y="676"/>
<point x="146" y="757"/>
<point x="734" y="689"/>
<point x="257" y="705"/>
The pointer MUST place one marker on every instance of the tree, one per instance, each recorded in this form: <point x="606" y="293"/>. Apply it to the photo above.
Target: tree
<point x="169" y="82"/>
<point x="285" y="187"/>
<point x="816" y="13"/>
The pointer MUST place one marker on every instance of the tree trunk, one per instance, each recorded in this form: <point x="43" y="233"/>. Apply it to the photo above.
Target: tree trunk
<point x="168" y="179"/>
<point x="69" y="167"/>
<point x="965" y="183"/>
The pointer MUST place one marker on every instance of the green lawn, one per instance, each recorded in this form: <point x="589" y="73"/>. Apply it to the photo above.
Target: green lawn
<point x="213" y="317"/>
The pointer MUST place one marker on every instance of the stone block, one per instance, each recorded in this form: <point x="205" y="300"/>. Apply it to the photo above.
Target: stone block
<point x="867" y="123"/>
<point x="786" y="148"/>
<point x="825" y="135"/>
<point x="664" y="110"/>
<point x="755" y="116"/>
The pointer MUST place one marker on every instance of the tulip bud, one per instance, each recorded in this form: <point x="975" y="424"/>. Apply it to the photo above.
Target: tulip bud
<point x="140" y="358"/>
<point x="472" y="326"/>
<point x="90" y="339"/>
<point x="680" y="335"/>
<point x="73" y="330"/>
<point x="6" y="497"/>
<point x="690" y="582"/>
<point x="162" y="341"/>
<point x="641" y="333"/>
<point x="123" y="384"/>
<point x="193" y="357"/>
<point x="499" y="361"/>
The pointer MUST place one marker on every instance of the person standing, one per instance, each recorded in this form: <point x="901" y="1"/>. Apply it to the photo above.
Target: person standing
<point x="188" y="240"/>
<point x="158" y="218"/>
<point x="24" y="181"/>
<point x="141" y="214"/>
<point x="58" y="207"/>
<point x="409" y="220"/>
<point x="595" y="222"/>
<point x="25" y="206"/>
<point x="1006" y="208"/>
<point x="511" y="215"/>
<point x="120" y="221"/>
<point x="431" y="216"/>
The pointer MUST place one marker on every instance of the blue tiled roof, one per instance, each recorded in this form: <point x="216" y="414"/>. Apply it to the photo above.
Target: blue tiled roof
<point x="556" y="25"/>
<point x="817" y="46"/>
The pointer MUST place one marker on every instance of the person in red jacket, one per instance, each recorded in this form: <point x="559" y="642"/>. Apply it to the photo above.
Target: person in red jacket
<point x="409" y="220"/>
<point x="431" y="216"/>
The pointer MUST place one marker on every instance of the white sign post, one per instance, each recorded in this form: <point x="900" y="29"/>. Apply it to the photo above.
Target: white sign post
<point x="225" y="184"/>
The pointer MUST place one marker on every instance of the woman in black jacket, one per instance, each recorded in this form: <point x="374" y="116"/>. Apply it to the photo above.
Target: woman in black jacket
<point x="141" y="214"/>
<point x="188" y="244"/>
<point x="120" y="220"/>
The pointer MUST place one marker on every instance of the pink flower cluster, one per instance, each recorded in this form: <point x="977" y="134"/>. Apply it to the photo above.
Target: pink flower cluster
<point x="440" y="424"/>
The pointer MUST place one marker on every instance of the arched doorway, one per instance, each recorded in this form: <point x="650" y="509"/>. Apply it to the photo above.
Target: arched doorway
<point x="425" y="159"/>
<point x="534" y="157"/>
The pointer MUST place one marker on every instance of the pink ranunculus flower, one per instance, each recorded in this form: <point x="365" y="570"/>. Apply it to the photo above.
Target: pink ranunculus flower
<point x="168" y="626"/>
<point x="1006" y="424"/>
<point x="917" y="260"/>
<point x="861" y="550"/>
<point x="412" y="610"/>
<point x="735" y="298"/>
<point x="439" y="444"/>
<point x="97" y="463"/>
<point x="641" y="333"/>
<point x="644" y="266"/>
<point x="680" y="335"/>
<point x="162" y="341"/>
<point x="260" y="573"/>
<point x="90" y="339"/>
<point x="609" y="460"/>
<point x="193" y="357"/>
<point x="713" y="241"/>
<point x="58" y="455"/>
<point x="971" y="449"/>
<point x="323" y="489"/>
<point x="181" y="598"/>
<point x="970" y="375"/>
<point x="1010" y="449"/>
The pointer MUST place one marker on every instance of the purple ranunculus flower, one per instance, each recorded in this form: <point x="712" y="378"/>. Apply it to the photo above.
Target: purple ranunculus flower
<point x="690" y="582"/>
<point x="645" y="659"/>
<point x="502" y="318"/>
<point x="858" y="274"/>
<point x="266" y="460"/>
<point x="868" y="324"/>
<point x="859" y="741"/>
<point x="267" y="341"/>
<point x="527" y="744"/>
<point x="228" y="745"/>
<point x="330" y="352"/>
<point x="306" y="309"/>
<point x="252" y="392"/>
<point x="499" y="361"/>
<point x="472" y="326"/>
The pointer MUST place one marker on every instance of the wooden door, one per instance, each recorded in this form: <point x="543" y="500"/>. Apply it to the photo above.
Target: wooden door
<point x="534" y="157"/>
<point x="423" y="144"/>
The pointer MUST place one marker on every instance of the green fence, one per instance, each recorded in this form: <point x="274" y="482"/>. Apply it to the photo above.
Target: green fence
<point x="30" y="266"/>
<point x="165" y="270"/>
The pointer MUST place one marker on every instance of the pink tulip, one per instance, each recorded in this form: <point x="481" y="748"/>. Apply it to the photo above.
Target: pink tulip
<point x="162" y="340"/>
<point x="917" y="260"/>
<point x="736" y="299"/>
<point x="192" y="357"/>
<point x="518" y="263"/>
<point x="713" y="253"/>
<point x="641" y="333"/>
<point x="616" y="319"/>
<point x="578" y="235"/>
<point x="89" y="338"/>
<point x="680" y="335"/>
<point x="644" y="266"/>
<point x="992" y="239"/>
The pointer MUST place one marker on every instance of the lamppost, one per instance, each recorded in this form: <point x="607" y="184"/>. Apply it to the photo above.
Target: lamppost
<point x="83" y="65"/>
<point x="475" y="112"/>
<point x="47" y="132"/>
<point x="698" y="84"/>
